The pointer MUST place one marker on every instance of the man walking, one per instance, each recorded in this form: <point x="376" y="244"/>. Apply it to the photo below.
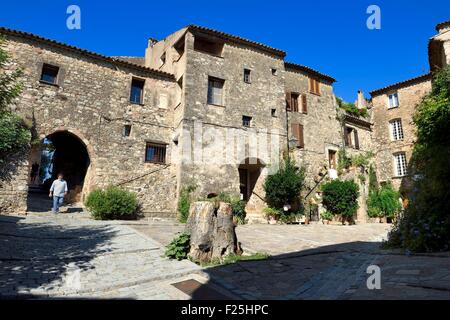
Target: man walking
<point x="58" y="190"/>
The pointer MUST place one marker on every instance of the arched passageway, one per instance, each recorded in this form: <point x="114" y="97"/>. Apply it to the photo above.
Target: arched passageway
<point x="251" y="179"/>
<point x="60" y="152"/>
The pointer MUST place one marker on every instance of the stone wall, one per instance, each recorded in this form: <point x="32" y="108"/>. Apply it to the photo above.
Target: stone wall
<point x="321" y="128"/>
<point x="91" y="101"/>
<point x="409" y="96"/>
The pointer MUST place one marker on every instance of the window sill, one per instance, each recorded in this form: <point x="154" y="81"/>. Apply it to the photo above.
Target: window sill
<point x="315" y="93"/>
<point x="137" y="103"/>
<point x="49" y="83"/>
<point x="215" y="105"/>
<point x="390" y="108"/>
<point x="159" y="163"/>
<point x="400" y="177"/>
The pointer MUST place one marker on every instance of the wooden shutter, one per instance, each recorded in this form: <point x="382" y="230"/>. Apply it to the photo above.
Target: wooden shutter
<point x="311" y="85"/>
<point x="301" y="140"/>
<point x="356" y="139"/>
<point x="317" y="87"/>
<point x="297" y="132"/>
<point x="304" y="104"/>
<point x="288" y="101"/>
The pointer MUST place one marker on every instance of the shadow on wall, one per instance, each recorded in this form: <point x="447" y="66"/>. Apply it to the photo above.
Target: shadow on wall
<point x="33" y="255"/>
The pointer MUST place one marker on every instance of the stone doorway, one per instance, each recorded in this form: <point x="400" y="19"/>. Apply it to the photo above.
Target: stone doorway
<point x="60" y="152"/>
<point x="251" y="179"/>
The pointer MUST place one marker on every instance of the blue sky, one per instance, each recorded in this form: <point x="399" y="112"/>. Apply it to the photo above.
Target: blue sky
<point x="330" y="36"/>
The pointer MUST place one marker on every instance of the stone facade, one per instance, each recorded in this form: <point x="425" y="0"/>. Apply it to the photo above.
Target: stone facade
<point x="409" y="95"/>
<point x="91" y="101"/>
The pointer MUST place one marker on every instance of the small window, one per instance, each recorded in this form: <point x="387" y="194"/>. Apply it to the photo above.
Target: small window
<point x="400" y="165"/>
<point x="246" y="121"/>
<point x="137" y="91"/>
<point x="314" y="86"/>
<point x="126" y="130"/>
<point x="215" y="91"/>
<point x="304" y="104"/>
<point x="49" y="73"/>
<point x="393" y="100"/>
<point x="351" y="138"/>
<point x="274" y="112"/>
<point x="274" y="72"/>
<point x="396" y="129"/>
<point x="155" y="153"/>
<point x="297" y="132"/>
<point x="207" y="46"/>
<point x="247" y="78"/>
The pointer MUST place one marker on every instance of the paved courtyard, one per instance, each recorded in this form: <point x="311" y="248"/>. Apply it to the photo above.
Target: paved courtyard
<point x="72" y="256"/>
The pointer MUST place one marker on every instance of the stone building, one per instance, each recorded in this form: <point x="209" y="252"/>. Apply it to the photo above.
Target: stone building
<point x="393" y="110"/>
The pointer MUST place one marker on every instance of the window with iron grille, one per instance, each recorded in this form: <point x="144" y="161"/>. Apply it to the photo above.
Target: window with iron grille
<point x="400" y="164"/>
<point x="49" y="73"/>
<point x="246" y="121"/>
<point x="155" y="152"/>
<point x="396" y="129"/>
<point x="215" y="91"/>
<point x="137" y="91"/>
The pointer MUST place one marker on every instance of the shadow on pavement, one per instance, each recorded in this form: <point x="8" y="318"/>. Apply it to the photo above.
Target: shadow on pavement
<point x="36" y="255"/>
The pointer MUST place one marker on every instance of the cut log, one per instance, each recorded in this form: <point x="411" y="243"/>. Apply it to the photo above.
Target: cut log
<point x="212" y="231"/>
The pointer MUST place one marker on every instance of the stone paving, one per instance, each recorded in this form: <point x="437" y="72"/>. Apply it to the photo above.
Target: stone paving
<point x="41" y="254"/>
<point x="44" y="255"/>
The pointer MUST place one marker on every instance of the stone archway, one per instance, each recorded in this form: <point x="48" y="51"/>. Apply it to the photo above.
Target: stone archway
<point x="70" y="155"/>
<point x="251" y="180"/>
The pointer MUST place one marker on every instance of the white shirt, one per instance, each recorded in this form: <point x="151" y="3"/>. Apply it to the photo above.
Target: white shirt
<point x="59" y="187"/>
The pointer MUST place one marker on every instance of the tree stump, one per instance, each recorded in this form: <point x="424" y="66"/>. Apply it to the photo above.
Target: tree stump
<point x="212" y="231"/>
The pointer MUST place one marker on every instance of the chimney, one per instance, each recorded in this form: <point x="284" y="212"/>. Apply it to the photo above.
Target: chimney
<point x="151" y="42"/>
<point x="361" y="101"/>
<point x="443" y="27"/>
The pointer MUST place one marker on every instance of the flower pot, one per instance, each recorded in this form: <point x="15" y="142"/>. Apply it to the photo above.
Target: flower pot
<point x="272" y="220"/>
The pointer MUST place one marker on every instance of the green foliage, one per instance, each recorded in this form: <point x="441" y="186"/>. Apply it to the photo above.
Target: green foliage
<point x="373" y="181"/>
<point x="112" y="203"/>
<point x="284" y="186"/>
<point x="237" y="206"/>
<point x="351" y="109"/>
<point x="326" y="215"/>
<point x="184" y="203"/>
<point x="361" y="160"/>
<point x="344" y="162"/>
<point x="272" y="213"/>
<point x="340" y="197"/>
<point x="384" y="202"/>
<point x="233" y="258"/>
<point x="425" y="224"/>
<point x="179" y="247"/>
<point x="15" y="135"/>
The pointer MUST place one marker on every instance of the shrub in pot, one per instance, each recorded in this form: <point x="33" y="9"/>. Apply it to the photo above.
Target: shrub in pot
<point x="326" y="217"/>
<point x="272" y="215"/>
<point x="341" y="197"/>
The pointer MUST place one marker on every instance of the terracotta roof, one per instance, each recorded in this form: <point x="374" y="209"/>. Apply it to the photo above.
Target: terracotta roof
<point x="442" y="25"/>
<point x="237" y="39"/>
<point x="114" y="60"/>
<point x="309" y="70"/>
<point x="401" y="84"/>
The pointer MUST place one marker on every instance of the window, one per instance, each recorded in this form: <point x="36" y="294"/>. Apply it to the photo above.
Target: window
<point x="351" y="138"/>
<point x="304" y="104"/>
<point x="332" y="159"/>
<point x="273" y="112"/>
<point x="163" y="59"/>
<point x="274" y="72"/>
<point x="396" y="129"/>
<point x="297" y="132"/>
<point x="314" y="86"/>
<point x="207" y="46"/>
<point x="393" y="100"/>
<point x="292" y="101"/>
<point x="155" y="153"/>
<point x="137" y="90"/>
<point x="247" y="78"/>
<point x="49" y="73"/>
<point x="400" y="164"/>
<point x="215" y="91"/>
<point x="246" y="121"/>
<point x="126" y="130"/>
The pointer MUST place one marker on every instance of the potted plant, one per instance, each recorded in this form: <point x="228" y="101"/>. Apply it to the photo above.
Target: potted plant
<point x="326" y="217"/>
<point x="272" y="215"/>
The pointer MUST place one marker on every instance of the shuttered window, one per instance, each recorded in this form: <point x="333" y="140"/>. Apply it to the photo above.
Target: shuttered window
<point x="155" y="153"/>
<point x="297" y="132"/>
<point x="304" y="104"/>
<point x="314" y="86"/>
<point x="292" y="101"/>
<point x="288" y="101"/>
